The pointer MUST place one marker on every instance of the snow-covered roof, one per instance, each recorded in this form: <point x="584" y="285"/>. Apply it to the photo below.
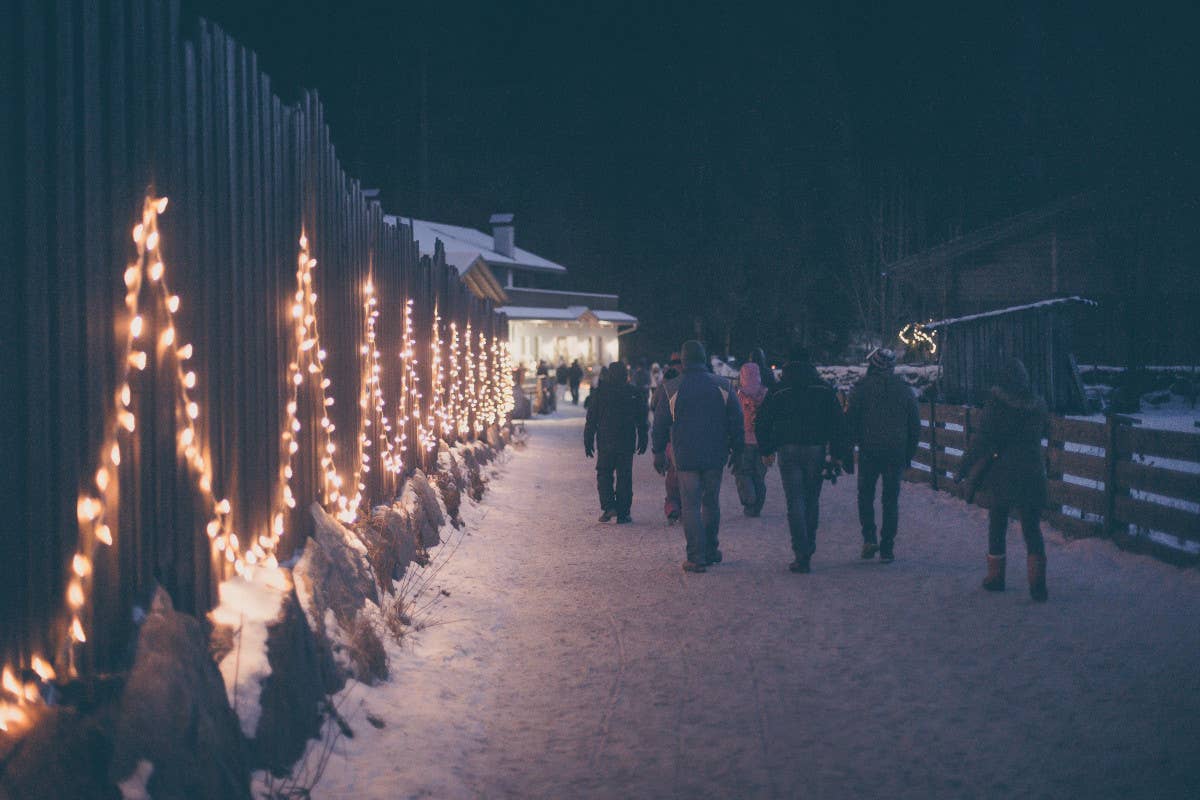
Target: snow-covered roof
<point x="944" y="323"/>
<point x="566" y="314"/>
<point x="464" y="245"/>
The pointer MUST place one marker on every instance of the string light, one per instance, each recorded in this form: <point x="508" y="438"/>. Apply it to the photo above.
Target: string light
<point x="915" y="335"/>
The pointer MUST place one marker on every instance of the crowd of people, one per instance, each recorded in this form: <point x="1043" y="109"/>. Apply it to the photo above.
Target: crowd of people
<point x="703" y="424"/>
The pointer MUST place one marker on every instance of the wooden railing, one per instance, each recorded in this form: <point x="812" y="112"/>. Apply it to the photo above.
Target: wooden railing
<point x="1111" y="478"/>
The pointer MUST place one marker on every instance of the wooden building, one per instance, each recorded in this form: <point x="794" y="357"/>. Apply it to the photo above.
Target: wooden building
<point x="974" y="348"/>
<point x="1135" y="255"/>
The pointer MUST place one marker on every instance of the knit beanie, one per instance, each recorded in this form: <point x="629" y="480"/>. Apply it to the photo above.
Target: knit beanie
<point x="881" y="360"/>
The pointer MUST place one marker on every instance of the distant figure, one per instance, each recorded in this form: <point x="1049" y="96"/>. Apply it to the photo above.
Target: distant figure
<point x="750" y="470"/>
<point x="615" y="429"/>
<point x="802" y="421"/>
<point x="672" y="504"/>
<point x="656" y="377"/>
<point x="757" y="356"/>
<point x="1005" y="458"/>
<point x="886" y="424"/>
<point x="542" y="369"/>
<point x="641" y="380"/>
<point x="561" y="376"/>
<point x="574" y="378"/>
<point x="698" y="413"/>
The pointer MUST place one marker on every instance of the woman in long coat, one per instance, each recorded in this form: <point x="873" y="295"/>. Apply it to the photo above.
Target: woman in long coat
<point x="1005" y="459"/>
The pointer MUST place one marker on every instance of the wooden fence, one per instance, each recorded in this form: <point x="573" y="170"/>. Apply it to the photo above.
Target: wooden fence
<point x="1110" y="478"/>
<point x="106" y="104"/>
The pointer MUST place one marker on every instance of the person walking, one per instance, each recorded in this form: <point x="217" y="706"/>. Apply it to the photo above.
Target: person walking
<point x="886" y="425"/>
<point x="757" y="356"/>
<point x="641" y="381"/>
<point x="699" y="415"/>
<point x="561" y="373"/>
<point x="1005" y="458"/>
<point x="751" y="469"/>
<point x="656" y="377"/>
<point x="672" y="504"/>
<point x="802" y="421"/>
<point x="615" y="429"/>
<point x="575" y="377"/>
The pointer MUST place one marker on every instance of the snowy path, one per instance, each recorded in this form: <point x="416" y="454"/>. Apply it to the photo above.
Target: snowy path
<point x="579" y="661"/>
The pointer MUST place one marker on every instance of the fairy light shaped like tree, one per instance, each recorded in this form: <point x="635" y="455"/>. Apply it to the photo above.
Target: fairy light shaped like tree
<point x="457" y="405"/>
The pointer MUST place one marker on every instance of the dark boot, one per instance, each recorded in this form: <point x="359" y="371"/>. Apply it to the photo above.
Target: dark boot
<point x="1037" y="578"/>
<point x="994" y="582"/>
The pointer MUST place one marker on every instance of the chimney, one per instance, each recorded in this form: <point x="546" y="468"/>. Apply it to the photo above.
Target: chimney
<point x="503" y="235"/>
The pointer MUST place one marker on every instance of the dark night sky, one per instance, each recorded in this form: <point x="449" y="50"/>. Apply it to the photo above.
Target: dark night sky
<point x="643" y="143"/>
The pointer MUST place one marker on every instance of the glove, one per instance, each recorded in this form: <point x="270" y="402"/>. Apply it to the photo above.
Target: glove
<point x="660" y="463"/>
<point x="589" y="451"/>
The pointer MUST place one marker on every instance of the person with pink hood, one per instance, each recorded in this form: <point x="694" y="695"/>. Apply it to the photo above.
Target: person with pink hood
<point x="750" y="470"/>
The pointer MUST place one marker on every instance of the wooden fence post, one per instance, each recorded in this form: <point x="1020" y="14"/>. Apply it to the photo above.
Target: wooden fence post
<point x="1112" y="427"/>
<point x="933" y="459"/>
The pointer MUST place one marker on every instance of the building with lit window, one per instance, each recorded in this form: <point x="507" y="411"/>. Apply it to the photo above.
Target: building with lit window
<point x="544" y="322"/>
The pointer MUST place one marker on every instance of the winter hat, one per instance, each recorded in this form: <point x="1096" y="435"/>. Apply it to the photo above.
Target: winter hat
<point x="750" y="382"/>
<point x="693" y="353"/>
<point x="1014" y="378"/>
<point x="617" y="372"/>
<point x="881" y="360"/>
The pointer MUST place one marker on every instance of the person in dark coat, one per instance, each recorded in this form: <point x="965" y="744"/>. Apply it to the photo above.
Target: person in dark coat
<point x="757" y="356"/>
<point x="641" y="381"/>
<point x="615" y="429"/>
<point x="561" y="374"/>
<point x="699" y="415"/>
<point x="574" y="378"/>
<point x="802" y="421"/>
<point x="885" y="423"/>
<point x="1005" y="456"/>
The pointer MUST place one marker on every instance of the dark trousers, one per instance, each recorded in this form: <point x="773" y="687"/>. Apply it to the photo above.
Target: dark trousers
<point x="574" y="393"/>
<point x="1030" y="526"/>
<point x="751" y="484"/>
<point x="700" y="495"/>
<point x="800" y="468"/>
<point x="671" y="505"/>
<point x="620" y="465"/>
<point x="872" y="466"/>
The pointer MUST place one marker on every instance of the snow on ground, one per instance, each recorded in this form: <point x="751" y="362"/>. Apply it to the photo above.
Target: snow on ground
<point x="574" y="659"/>
<point x="248" y="606"/>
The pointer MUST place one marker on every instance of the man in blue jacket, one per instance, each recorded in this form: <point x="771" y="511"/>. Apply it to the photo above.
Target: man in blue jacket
<point x="699" y="414"/>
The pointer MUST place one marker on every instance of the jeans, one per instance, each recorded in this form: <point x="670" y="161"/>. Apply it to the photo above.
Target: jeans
<point x="700" y="492"/>
<point x="750" y="472"/>
<point x="608" y="463"/>
<point x="800" y="468"/>
<point x="1030" y="527"/>
<point x="873" y="465"/>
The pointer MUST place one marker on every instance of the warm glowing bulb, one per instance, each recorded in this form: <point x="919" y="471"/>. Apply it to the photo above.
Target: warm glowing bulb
<point x="136" y="325"/>
<point x="193" y="410"/>
<point x="223" y="506"/>
<point x="185" y="352"/>
<point x="104" y="534"/>
<point x="152" y="240"/>
<point x="189" y="380"/>
<point x="186" y="436"/>
<point x="126" y="395"/>
<point x="139" y="231"/>
<point x="173" y="303"/>
<point x="87" y="509"/>
<point x="213" y="529"/>
<point x="160" y="205"/>
<point x="75" y="594"/>
<point x="298" y="379"/>
<point x="131" y="276"/>
<point x="156" y="269"/>
<point x="205" y="483"/>
<point x="137" y="360"/>
<point x="81" y="565"/>
<point x="168" y="337"/>
<point x="43" y="669"/>
<point x="127" y="420"/>
<point x="77" y="631"/>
